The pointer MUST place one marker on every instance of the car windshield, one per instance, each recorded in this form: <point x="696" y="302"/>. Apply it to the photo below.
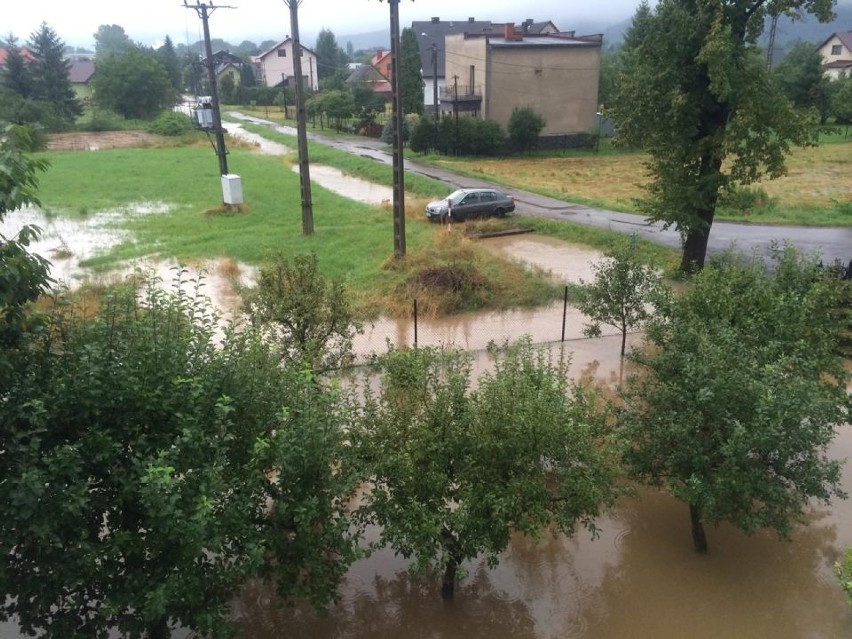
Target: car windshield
<point x="456" y="196"/>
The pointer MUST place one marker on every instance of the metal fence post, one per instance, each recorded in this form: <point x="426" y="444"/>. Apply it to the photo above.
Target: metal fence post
<point x="564" y="312"/>
<point x="415" y="323"/>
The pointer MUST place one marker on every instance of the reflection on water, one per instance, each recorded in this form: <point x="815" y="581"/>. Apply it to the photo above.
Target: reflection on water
<point x="640" y="578"/>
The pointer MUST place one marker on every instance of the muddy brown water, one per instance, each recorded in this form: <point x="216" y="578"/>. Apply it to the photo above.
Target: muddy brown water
<point x="639" y="579"/>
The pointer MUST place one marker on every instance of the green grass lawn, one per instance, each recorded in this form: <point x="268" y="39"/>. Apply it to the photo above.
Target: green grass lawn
<point x="353" y="241"/>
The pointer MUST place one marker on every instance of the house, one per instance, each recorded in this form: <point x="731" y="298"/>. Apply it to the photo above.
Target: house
<point x="81" y="70"/>
<point x="430" y="37"/>
<point x="556" y="74"/>
<point x="381" y="62"/>
<point x="274" y="67"/>
<point x="25" y="53"/>
<point x="836" y="54"/>
<point x="371" y="76"/>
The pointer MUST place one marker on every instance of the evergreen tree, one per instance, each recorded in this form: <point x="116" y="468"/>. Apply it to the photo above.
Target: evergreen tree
<point x="168" y="58"/>
<point x="411" y="74"/>
<point x="16" y="75"/>
<point x="50" y="74"/>
<point x="331" y="59"/>
<point x="801" y="78"/>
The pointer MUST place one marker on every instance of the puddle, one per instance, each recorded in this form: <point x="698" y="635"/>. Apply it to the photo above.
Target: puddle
<point x="569" y="262"/>
<point x="66" y="242"/>
<point x="348" y="186"/>
<point x="263" y="145"/>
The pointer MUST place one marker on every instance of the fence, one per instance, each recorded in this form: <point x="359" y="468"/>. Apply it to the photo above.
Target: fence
<point x="474" y="331"/>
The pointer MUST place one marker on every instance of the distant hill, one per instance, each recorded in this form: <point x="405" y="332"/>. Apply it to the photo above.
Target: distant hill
<point x="372" y="40"/>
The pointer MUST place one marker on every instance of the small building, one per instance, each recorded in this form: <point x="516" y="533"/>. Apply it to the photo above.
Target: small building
<point x="81" y="71"/>
<point x="555" y="74"/>
<point x="274" y="67"/>
<point x="370" y="76"/>
<point x="431" y="35"/>
<point x="836" y="54"/>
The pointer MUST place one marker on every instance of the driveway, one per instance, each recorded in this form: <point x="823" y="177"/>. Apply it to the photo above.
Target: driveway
<point x="832" y="243"/>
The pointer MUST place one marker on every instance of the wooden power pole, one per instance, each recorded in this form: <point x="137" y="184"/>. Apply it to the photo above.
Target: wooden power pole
<point x="204" y="9"/>
<point x="301" y="125"/>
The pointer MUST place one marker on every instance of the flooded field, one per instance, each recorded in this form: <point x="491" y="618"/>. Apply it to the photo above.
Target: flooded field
<point x="640" y="579"/>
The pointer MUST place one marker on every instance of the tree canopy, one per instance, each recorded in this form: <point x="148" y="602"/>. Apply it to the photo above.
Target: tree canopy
<point x="802" y="80"/>
<point x="331" y="59"/>
<point x="133" y="84"/>
<point x="524" y="127"/>
<point x="695" y="93"/>
<point x="111" y="39"/>
<point x="455" y="472"/>
<point x="411" y="75"/>
<point x="739" y="392"/>
<point x="49" y="72"/>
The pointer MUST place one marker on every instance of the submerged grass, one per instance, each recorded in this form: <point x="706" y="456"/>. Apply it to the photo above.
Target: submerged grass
<point x="353" y="241"/>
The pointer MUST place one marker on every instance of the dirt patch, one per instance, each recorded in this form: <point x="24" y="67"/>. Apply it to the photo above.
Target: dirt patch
<point x="93" y="141"/>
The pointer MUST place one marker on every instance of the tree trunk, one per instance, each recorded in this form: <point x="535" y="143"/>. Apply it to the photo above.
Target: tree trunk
<point x="699" y="538"/>
<point x="159" y="629"/>
<point x="695" y="250"/>
<point x="448" y="585"/>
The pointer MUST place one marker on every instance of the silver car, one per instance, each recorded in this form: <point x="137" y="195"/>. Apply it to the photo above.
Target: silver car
<point x="468" y="204"/>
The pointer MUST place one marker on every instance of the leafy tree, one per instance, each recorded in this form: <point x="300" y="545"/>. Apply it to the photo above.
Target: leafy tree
<point x="310" y="317"/>
<point x="841" y="100"/>
<point x="368" y="103"/>
<point x="111" y="39"/>
<point x="802" y="80"/>
<point x="695" y="93"/>
<point x="610" y="69"/>
<point x="150" y="469"/>
<point x="50" y="74"/>
<point x="23" y="276"/>
<point x="455" y="472"/>
<point x="524" y="127"/>
<point x="331" y="59"/>
<point x="133" y="84"/>
<point x="168" y="58"/>
<point x="620" y="294"/>
<point x="411" y="75"/>
<point x="227" y="89"/>
<point x="739" y="394"/>
<point x="15" y="75"/>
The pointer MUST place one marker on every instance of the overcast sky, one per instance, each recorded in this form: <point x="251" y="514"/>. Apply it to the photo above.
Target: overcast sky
<point x="149" y="21"/>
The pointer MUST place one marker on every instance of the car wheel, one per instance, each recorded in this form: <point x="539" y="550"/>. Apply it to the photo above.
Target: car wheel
<point x="500" y="213"/>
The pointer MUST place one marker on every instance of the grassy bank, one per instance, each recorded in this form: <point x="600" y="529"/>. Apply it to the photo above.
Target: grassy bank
<point x="353" y="241"/>
<point x="817" y="189"/>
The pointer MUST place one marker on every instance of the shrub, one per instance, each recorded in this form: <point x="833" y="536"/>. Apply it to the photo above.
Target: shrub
<point x="525" y="125"/>
<point x="746" y="200"/>
<point x="171" y="123"/>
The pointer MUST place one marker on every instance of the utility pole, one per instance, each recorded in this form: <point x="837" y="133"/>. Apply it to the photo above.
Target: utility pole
<point x="204" y="9"/>
<point x="435" y="89"/>
<point x="770" y="50"/>
<point x="398" y="163"/>
<point x="301" y="125"/>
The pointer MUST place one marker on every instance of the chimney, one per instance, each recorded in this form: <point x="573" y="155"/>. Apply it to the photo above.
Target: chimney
<point x="435" y="20"/>
<point x="510" y="34"/>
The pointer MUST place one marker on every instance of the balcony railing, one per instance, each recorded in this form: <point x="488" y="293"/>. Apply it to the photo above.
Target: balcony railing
<point x="461" y="93"/>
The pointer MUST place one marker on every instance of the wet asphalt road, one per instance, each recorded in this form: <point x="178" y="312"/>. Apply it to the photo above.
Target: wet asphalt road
<point x="830" y="243"/>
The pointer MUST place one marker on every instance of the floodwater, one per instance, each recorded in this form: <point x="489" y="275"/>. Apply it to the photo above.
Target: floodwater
<point x="330" y="178"/>
<point x="640" y="578"/>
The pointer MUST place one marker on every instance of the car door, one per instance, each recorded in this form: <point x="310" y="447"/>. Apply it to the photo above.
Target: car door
<point x="467" y="208"/>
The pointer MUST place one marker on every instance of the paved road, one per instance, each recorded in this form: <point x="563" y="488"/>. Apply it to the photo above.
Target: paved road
<point x="830" y="242"/>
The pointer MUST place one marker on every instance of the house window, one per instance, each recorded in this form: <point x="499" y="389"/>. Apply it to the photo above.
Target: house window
<point x="836" y="49"/>
<point x="282" y="53"/>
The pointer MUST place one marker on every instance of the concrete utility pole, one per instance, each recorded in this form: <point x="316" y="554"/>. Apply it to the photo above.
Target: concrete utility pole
<point x="398" y="163"/>
<point x="204" y="9"/>
<point x="301" y="125"/>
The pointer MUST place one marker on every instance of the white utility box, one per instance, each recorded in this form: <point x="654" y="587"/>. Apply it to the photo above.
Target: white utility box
<point x="232" y="189"/>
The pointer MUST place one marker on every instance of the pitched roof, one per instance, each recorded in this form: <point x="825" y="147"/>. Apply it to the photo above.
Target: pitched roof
<point x="365" y="73"/>
<point x="278" y="46"/>
<point x="81" y="71"/>
<point x="26" y="53"/>
<point x="845" y="38"/>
